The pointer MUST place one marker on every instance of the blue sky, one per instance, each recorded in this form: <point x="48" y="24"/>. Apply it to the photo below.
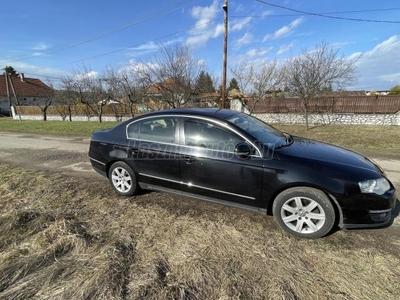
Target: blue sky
<point x="49" y="39"/>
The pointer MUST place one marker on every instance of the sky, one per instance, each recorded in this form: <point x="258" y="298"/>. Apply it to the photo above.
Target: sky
<point x="50" y="39"/>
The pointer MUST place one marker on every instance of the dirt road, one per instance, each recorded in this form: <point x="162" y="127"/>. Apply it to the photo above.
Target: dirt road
<point x="68" y="155"/>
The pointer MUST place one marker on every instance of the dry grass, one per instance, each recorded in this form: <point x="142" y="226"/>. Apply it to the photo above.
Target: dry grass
<point x="366" y="139"/>
<point x="66" y="239"/>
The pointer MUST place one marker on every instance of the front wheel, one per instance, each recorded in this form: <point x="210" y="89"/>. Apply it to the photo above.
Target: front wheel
<point x="304" y="212"/>
<point x="123" y="179"/>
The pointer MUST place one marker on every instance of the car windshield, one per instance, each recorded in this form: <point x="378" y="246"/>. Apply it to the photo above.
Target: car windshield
<point x="263" y="133"/>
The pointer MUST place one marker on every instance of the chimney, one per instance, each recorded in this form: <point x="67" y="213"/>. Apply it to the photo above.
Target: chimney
<point x="22" y="76"/>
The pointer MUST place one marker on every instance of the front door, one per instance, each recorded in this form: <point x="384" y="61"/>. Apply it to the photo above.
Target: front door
<point x="210" y="168"/>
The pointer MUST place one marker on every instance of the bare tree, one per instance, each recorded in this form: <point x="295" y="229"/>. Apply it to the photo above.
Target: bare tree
<point x="173" y="73"/>
<point x="89" y="89"/>
<point x="126" y="85"/>
<point x="66" y="97"/>
<point x="47" y="96"/>
<point x="316" y="72"/>
<point x="259" y="81"/>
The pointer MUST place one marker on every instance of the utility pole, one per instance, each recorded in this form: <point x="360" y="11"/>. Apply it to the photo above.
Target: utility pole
<point x="225" y="52"/>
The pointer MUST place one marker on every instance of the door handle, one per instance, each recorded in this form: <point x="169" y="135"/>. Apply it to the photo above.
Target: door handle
<point x="189" y="159"/>
<point x="134" y="150"/>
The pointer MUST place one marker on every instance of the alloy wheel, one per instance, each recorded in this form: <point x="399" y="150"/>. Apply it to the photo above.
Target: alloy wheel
<point x="303" y="215"/>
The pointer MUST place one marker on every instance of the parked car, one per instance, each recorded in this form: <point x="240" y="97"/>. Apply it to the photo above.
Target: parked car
<point x="232" y="158"/>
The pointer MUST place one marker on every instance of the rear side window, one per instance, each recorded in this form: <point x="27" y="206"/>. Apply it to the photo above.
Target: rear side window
<point x="161" y="129"/>
<point x="207" y="135"/>
<point x="133" y="130"/>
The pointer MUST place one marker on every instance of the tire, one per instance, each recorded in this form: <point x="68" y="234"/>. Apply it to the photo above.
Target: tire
<point x="123" y="179"/>
<point x="304" y="212"/>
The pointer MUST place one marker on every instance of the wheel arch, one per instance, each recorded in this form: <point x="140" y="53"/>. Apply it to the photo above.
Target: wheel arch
<point x="110" y="163"/>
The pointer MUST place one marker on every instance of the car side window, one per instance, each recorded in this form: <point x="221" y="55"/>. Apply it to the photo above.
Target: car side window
<point x="161" y="129"/>
<point x="133" y="130"/>
<point x="207" y="135"/>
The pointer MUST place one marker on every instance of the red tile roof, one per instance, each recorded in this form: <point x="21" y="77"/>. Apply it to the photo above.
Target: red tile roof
<point x="30" y="87"/>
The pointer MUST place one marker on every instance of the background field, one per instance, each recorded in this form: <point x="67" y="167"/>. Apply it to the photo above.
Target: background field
<point x="68" y="238"/>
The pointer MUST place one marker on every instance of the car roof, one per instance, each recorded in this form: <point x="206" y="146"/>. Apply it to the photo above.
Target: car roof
<point x="195" y="111"/>
<point x="212" y="112"/>
<point x="191" y="111"/>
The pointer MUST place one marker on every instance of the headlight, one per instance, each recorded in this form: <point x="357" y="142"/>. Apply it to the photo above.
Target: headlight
<point x="377" y="186"/>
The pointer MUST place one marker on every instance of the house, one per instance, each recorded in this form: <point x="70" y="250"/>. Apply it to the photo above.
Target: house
<point x="21" y="90"/>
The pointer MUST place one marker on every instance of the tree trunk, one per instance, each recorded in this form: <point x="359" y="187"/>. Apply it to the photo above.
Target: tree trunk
<point x="306" y="116"/>
<point x="131" y="109"/>
<point x="306" y="112"/>
<point x="100" y="114"/>
<point x="69" y="113"/>
<point x="45" y="114"/>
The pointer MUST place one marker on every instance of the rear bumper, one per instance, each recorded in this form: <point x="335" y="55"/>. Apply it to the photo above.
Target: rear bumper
<point x="98" y="166"/>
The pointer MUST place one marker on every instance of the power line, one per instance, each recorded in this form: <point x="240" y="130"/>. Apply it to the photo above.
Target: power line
<point x="43" y="76"/>
<point x="326" y="15"/>
<point x="136" y="45"/>
<point x="322" y="13"/>
<point x="144" y="19"/>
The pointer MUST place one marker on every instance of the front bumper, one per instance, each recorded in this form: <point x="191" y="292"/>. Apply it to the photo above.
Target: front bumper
<point x="371" y="211"/>
<point x="379" y="218"/>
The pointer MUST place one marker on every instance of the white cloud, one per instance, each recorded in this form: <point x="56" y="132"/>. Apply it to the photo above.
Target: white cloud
<point x="339" y="44"/>
<point x="204" y="28"/>
<point x="41" y="47"/>
<point x="247" y="38"/>
<point x="378" y="69"/>
<point x="258" y="52"/>
<point x="207" y="13"/>
<point x="238" y="25"/>
<point x="285" y="48"/>
<point x="136" y="66"/>
<point x="201" y="63"/>
<point x="91" y="74"/>
<point x="33" y="70"/>
<point x="266" y="13"/>
<point x="150" y="46"/>
<point x="285" y="30"/>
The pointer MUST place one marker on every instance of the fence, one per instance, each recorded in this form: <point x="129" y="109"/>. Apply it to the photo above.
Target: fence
<point x="78" y="110"/>
<point x="351" y="105"/>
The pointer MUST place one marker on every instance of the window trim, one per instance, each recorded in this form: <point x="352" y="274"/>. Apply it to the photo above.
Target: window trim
<point x="181" y="116"/>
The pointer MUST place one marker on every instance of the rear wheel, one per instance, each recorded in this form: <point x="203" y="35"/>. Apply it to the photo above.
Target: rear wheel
<point x="304" y="212"/>
<point x="123" y="179"/>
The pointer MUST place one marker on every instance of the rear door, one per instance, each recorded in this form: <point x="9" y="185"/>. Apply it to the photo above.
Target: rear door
<point x="154" y="151"/>
<point x="210" y="168"/>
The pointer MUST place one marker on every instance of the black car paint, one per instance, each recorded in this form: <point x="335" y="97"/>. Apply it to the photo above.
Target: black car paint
<point x="177" y="168"/>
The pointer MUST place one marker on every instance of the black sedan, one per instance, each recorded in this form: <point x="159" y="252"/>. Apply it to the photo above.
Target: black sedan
<point x="232" y="158"/>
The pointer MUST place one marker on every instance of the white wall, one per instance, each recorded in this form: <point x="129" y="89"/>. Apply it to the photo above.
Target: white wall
<point x="331" y="118"/>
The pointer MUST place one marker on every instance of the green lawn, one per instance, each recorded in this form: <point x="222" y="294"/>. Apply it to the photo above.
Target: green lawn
<point x="53" y="127"/>
<point x="377" y="140"/>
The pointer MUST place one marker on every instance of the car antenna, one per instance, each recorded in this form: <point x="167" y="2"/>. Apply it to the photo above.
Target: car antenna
<point x="216" y="112"/>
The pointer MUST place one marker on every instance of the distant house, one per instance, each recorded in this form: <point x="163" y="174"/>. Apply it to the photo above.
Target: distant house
<point x="22" y="91"/>
<point x="377" y="93"/>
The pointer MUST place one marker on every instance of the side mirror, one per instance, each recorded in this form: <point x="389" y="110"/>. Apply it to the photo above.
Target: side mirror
<point x="243" y="150"/>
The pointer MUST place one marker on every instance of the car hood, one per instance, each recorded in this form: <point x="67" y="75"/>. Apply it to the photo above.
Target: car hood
<point x="302" y="148"/>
